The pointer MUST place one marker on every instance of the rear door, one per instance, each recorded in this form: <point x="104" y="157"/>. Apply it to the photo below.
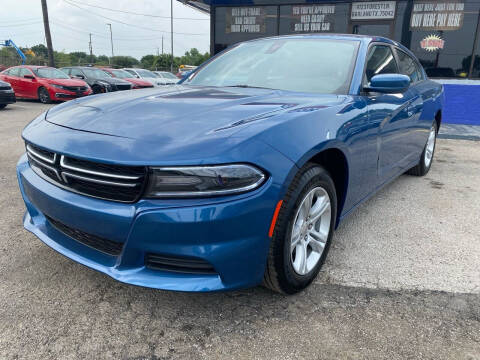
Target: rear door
<point x="394" y="112"/>
<point x="12" y="78"/>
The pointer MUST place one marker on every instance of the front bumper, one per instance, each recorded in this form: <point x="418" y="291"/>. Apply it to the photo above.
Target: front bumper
<point x="230" y="233"/>
<point x="7" y="97"/>
<point x="62" y="95"/>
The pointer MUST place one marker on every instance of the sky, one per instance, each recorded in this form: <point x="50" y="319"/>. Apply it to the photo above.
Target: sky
<point x="71" y="21"/>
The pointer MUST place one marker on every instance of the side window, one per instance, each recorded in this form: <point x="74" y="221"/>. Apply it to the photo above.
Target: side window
<point x="14" y="72"/>
<point x="66" y="70"/>
<point x="380" y="60"/>
<point x="408" y="67"/>
<point x="132" y="72"/>
<point x="24" y="71"/>
<point x="75" y="72"/>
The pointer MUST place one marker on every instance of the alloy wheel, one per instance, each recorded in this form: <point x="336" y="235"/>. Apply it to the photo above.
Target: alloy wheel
<point x="310" y="230"/>
<point x="43" y="96"/>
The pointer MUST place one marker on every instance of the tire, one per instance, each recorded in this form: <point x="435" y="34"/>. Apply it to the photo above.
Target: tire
<point x="425" y="163"/>
<point x="2" y="106"/>
<point x="283" y="272"/>
<point x="96" y="89"/>
<point x="44" y="96"/>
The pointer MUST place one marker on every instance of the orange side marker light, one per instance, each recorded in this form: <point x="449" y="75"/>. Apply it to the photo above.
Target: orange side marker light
<point x="274" y="219"/>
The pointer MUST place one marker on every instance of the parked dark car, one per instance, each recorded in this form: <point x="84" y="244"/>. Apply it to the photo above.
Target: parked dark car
<point x="44" y="83"/>
<point x="99" y="80"/>
<point x="7" y="95"/>
<point x="238" y="176"/>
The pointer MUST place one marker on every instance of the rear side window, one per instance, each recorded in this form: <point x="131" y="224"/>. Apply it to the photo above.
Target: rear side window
<point x="380" y="60"/>
<point x="76" y="72"/>
<point x="408" y="66"/>
<point x="14" y="72"/>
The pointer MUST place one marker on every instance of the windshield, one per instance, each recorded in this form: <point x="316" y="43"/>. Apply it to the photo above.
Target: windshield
<point x="50" y="73"/>
<point x="293" y="64"/>
<point x="168" y="75"/>
<point x="122" y="74"/>
<point x="96" y="73"/>
<point x="146" y="73"/>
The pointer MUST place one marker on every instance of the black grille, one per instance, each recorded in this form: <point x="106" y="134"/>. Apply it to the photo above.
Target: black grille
<point x="180" y="265"/>
<point x="106" y="181"/>
<point x="76" y="88"/>
<point x="98" y="243"/>
<point x="5" y="88"/>
<point x="124" y="87"/>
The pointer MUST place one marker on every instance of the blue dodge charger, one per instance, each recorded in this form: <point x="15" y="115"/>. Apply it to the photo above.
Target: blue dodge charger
<point x="237" y="176"/>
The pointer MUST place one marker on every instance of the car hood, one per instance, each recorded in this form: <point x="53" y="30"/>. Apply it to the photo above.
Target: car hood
<point x="177" y="124"/>
<point x="66" y="82"/>
<point x="112" y="80"/>
<point x="180" y="112"/>
<point x="138" y="82"/>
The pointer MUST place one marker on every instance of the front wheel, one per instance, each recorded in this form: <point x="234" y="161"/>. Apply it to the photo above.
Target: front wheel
<point x="426" y="159"/>
<point x="44" y="96"/>
<point x="303" y="231"/>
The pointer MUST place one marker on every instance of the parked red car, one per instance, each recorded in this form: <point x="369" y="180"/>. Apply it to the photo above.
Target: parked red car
<point x="125" y="75"/>
<point x="44" y="83"/>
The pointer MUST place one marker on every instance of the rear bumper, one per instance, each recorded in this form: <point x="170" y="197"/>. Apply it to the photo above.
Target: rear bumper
<point x="230" y="234"/>
<point x="7" y="97"/>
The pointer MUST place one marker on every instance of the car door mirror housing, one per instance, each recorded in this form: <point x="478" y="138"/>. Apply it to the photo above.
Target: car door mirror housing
<point x="388" y="84"/>
<point x="29" y="77"/>
<point x="79" y="76"/>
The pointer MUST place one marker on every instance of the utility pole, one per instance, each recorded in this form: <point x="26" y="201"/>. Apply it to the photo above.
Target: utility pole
<point x="171" y="32"/>
<point x="48" y="37"/>
<point x="90" y="47"/>
<point x="111" y="40"/>
<point x="162" y="44"/>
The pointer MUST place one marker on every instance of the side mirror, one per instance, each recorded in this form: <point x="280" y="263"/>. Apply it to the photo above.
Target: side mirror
<point x="388" y="84"/>
<point x="79" y="77"/>
<point x="29" y="77"/>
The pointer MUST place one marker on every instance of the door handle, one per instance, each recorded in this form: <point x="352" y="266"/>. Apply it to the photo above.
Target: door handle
<point x="410" y="110"/>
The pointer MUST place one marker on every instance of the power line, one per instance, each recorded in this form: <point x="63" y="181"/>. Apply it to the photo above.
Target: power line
<point x="76" y="30"/>
<point x="140" y="14"/>
<point x="22" y="24"/>
<point x="128" y="24"/>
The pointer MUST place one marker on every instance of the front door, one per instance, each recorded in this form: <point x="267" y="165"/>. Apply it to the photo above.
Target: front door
<point x="394" y="112"/>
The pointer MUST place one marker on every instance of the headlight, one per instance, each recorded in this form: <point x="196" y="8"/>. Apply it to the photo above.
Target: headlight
<point x="105" y="85"/>
<point x="58" y="86"/>
<point x="198" y="181"/>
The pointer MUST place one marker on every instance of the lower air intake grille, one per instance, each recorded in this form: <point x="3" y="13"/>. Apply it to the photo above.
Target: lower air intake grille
<point x="179" y="265"/>
<point x="104" y="245"/>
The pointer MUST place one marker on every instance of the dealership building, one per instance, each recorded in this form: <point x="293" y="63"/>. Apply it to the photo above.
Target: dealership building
<point x="443" y="34"/>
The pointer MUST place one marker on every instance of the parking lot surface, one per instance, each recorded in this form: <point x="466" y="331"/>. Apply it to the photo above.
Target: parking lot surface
<point x="402" y="281"/>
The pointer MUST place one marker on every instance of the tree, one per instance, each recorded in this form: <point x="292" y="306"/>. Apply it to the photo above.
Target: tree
<point x="40" y="50"/>
<point x="162" y="62"/>
<point x="102" y="60"/>
<point x="147" y="61"/>
<point x="124" y="61"/>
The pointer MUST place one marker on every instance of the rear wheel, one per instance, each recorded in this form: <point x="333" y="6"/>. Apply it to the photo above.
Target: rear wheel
<point x="44" y="96"/>
<point x="303" y="231"/>
<point x="426" y="159"/>
<point x="2" y="106"/>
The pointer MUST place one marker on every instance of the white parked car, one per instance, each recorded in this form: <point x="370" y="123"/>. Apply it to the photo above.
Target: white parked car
<point x="146" y="75"/>
<point x="167" y="77"/>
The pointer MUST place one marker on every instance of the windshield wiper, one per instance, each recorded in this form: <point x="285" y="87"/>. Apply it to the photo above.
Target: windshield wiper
<point x="249" y="86"/>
